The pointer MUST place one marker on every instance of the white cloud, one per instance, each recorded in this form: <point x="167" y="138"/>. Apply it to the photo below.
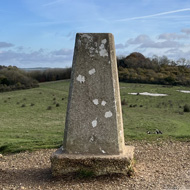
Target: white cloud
<point x="173" y="45"/>
<point x="176" y="53"/>
<point x="144" y="41"/>
<point x="140" y="39"/>
<point x="5" y="45"/>
<point x="39" y="58"/>
<point x="186" y="31"/>
<point x="62" y="52"/>
<point x="172" y="36"/>
<point x="164" y="44"/>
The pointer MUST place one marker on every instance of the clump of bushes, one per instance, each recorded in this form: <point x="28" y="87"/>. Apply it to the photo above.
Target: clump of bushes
<point x="186" y="108"/>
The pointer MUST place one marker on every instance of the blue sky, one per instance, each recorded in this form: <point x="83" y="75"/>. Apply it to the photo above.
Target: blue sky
<point x="41" y="33"/>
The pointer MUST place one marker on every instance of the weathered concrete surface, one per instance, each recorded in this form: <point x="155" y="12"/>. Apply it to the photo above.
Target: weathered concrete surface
<point x="63" y="164"/>
<point x="94" y="120"/>
<point x="94" y="125"/>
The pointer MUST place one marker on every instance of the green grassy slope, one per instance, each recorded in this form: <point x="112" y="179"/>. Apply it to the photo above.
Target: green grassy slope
<point x="151" y="113"/>
<point x="24" y="126"/>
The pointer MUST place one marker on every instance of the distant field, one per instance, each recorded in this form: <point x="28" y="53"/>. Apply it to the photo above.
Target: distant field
<point x="33" y="119"/>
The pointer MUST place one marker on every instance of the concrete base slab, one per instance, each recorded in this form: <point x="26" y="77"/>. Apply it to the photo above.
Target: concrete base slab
<point x="63" y="163"/>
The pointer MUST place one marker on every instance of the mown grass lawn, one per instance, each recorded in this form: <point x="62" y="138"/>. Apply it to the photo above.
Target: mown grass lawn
<point x="35" y="118"/>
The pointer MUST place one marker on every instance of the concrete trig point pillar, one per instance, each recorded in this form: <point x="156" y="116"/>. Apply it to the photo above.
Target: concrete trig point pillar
<point x="93" y="137"/>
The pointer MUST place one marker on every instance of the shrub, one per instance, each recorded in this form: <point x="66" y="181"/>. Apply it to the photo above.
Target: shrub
<point x="23" y="105"/>
<point x="49" y="108"/>
<point x="186" y="108"/>
<point x="123" y="102"/>
<point x="57" y="105"/>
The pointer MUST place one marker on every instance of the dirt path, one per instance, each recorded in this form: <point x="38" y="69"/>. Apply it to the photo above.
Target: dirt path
<point x="163" y="165"/>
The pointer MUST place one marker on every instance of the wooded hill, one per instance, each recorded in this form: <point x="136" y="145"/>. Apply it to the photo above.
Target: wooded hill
<point x="12" y="78"/>
<point x="136" y="68"/>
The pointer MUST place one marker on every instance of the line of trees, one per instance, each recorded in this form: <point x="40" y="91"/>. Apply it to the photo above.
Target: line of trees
<point x="136" y="68"/>
<point x="50" y="74"/>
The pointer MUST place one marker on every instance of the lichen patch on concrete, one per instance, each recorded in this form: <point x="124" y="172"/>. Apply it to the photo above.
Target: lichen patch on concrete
<point x="94" y="123"/>
<point x="103" y="52"/>
<point x="92" y="138"/>
<point x="108" y="114"/>
<point x="92" y="71"/>
<point x="89" y="37"/>
<point x="95" y="101"/>
<point x="81" y="78"/>
<point x="103" y="151"/>
<point x="103" y="103"/>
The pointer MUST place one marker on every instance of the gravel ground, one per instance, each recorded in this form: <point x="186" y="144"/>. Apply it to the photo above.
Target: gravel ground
<point x="160" y="165"/>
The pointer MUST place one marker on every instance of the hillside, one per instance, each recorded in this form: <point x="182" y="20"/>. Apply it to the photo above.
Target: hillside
<point x="35" y="118"/>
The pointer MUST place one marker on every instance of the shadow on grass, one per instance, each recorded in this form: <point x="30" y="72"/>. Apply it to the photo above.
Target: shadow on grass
<point x="10" y="148"/>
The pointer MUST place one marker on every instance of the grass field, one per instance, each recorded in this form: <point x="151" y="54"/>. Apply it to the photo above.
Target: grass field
<point x="35" y="118"/>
